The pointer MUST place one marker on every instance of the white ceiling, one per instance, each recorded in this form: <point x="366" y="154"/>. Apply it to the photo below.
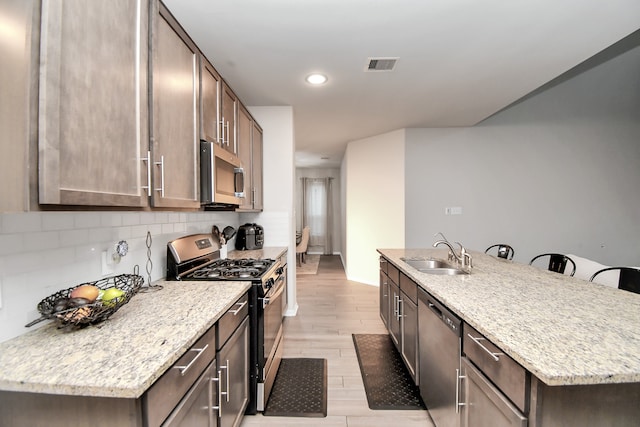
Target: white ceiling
<point x="460" y="61"/>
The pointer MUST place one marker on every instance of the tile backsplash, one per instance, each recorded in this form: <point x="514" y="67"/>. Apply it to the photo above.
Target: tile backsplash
<point x="42" y="252"/>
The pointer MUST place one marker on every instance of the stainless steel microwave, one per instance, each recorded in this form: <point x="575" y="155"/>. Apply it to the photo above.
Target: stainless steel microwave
<point x="221" y="176"/>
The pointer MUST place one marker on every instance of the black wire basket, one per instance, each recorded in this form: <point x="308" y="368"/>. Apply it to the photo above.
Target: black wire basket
<point x="60" y="306"/>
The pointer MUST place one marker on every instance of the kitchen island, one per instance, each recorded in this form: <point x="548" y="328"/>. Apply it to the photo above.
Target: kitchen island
<point x="578" y="341"/>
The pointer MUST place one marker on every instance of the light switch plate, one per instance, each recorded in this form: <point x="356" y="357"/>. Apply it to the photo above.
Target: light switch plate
<point x="457" y="210"/>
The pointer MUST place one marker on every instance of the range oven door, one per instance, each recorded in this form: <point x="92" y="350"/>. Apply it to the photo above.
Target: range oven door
<point x="273" y="307"/>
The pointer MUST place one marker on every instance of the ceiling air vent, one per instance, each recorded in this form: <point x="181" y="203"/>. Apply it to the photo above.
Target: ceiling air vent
<point x="381" y="64"/>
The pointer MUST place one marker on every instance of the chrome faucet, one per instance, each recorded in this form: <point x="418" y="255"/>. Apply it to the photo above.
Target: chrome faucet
<point x="463" y="260"/>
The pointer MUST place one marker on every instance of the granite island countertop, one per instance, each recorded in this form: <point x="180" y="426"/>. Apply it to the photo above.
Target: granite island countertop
<point x="123" y="356"/>
<point x="564" y="330"/>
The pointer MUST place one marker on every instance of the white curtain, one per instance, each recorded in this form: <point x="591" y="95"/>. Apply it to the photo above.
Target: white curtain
<point x="317" y="212"/>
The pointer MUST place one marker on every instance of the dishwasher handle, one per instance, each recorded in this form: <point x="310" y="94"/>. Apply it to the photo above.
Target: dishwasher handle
<point x="448" y="318"/>
<point x="435" y="309"/>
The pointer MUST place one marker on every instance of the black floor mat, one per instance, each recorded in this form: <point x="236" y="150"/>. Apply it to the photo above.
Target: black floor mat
<point x="300" y="389"/>
<point x="387" y="382"/>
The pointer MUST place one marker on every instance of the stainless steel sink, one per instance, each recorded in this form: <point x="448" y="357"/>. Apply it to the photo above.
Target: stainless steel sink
<point x="433" y="266"/>
<point x="446" y="271"/>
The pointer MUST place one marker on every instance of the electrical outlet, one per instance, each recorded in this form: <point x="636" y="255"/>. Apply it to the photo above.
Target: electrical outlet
<point x="107" y="264"/>
<point x="447" y="211"/>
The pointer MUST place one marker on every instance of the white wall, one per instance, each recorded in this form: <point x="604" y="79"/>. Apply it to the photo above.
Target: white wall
<point x="43" y="252"/>
<point x="336" y="198"/>
<point x="278" y="216"/>
<point x="373" y="173"/>
<point x="558" y="172"/>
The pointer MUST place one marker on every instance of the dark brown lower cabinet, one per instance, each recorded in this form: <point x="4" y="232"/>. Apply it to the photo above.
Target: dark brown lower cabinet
<point x="482" y="404"/>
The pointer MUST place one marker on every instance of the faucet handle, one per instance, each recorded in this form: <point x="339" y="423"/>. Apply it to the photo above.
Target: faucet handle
<point x="465" y="258"/>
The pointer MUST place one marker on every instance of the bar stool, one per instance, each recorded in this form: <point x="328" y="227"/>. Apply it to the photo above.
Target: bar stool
<point x="504" y="251"/>
<point x="629" y="279"/>
<point x="557" y="262"/>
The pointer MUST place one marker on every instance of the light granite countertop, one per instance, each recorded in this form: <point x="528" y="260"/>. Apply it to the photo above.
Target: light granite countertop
<point x="270" y="252"/>
<point x="123" y="356"/>
<point x="564" y="330"/>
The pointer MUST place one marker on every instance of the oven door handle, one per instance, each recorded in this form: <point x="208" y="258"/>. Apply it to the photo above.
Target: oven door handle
<point x="278" y="290"/>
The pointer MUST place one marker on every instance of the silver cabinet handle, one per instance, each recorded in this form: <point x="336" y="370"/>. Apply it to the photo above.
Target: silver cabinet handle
<point x="493" y="355"/>
<point x="395" y="305"/>
<point x="219" y="407"/>
<point x="161" y="164"/>
<point x="228" y="392"/>
<point x="220" y="392"/>
<point x="235" y="312"/>
<point x="184" y="369"/>
<point x="400" y="308"/>
<point x="458" y="379"/>
<point x="224" y="124"/>
<point x="221" y="133"/>
<point x="148" y="160"/>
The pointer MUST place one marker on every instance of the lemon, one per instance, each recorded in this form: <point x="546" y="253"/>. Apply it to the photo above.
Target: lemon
<point x="111" y="296"/>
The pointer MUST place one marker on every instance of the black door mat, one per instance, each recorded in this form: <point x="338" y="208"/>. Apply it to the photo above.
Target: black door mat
<point x="387" y="382"/>
<point x="300" y="389"/>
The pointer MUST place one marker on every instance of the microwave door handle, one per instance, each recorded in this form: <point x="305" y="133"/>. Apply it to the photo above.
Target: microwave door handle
<point x="238" y="174"/>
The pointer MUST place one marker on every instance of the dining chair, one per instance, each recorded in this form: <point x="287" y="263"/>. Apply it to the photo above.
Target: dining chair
<point x="504" y="251"/>
<point x="557" y="262"/>
<point x="629" y="279"/>
<point x="301" y="248"/>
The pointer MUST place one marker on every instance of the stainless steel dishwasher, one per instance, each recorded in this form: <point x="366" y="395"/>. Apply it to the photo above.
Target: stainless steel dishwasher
<point x="439" y="344"/>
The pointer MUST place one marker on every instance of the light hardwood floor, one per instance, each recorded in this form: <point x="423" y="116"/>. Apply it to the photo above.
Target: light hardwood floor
<point x="331" y="308"/>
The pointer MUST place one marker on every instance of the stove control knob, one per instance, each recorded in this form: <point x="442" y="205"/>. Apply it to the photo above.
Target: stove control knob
<point x="269" y="283"/>
<point x="280" y="270"/>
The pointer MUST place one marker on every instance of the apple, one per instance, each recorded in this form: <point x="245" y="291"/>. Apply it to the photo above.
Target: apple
<point x="88" y="292"/>
<point x="111" y="296"/>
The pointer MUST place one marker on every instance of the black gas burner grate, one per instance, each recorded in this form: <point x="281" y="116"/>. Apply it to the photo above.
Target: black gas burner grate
<point x="233" y="269"/>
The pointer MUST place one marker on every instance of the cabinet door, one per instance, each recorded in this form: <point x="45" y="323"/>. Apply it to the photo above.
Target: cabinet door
<point x="15" y="80"/>
<point x="256" y="168"/>
<point x="209" y="102"/>
<point x="409" y="332"/>
<point x="384" y="298"/>
<point x="483" y="404"/>
<point x="195" y="409"/>
<point x="175" y="142"/>
<point x="395" y="313"/>
<point x="245" y="126"/>
<point x="93" y="109"/>
<point x="233" y="368"/>
<point x="228" y="120"/>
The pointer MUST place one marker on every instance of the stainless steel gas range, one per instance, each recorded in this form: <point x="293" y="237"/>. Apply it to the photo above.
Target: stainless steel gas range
<point x="196" y="257"/>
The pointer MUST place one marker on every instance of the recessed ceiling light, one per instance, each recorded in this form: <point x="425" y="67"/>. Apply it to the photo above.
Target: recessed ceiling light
<point x="316" y="79"/>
